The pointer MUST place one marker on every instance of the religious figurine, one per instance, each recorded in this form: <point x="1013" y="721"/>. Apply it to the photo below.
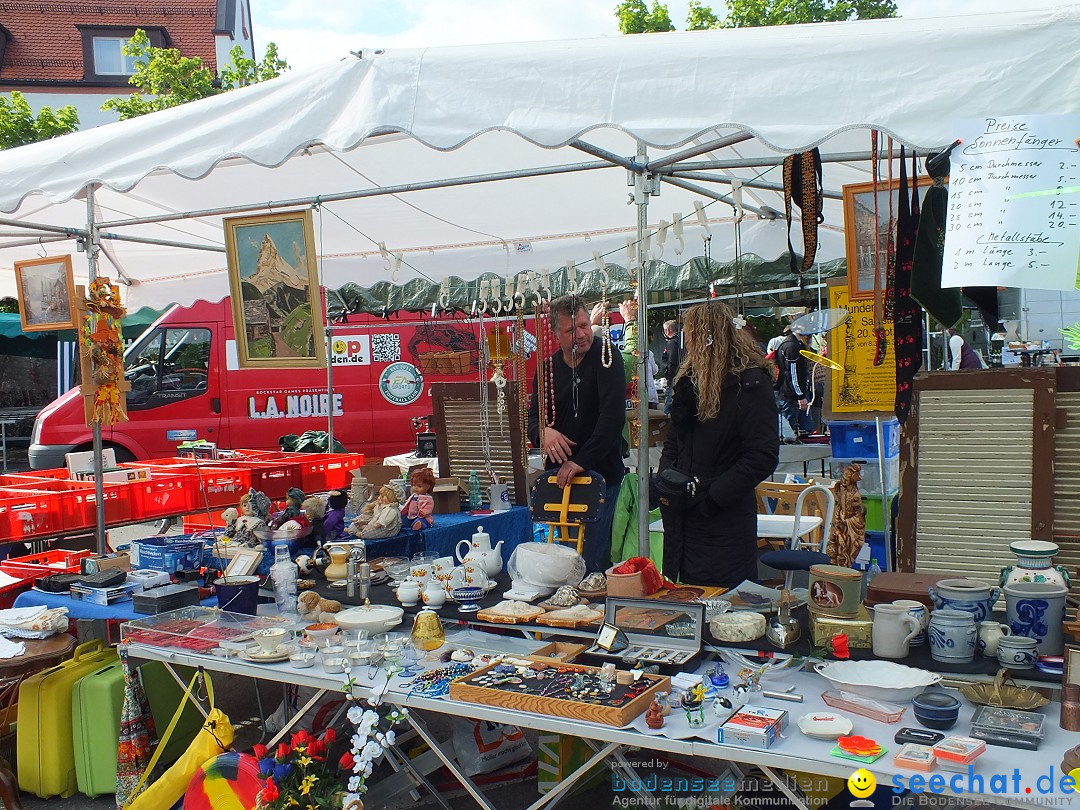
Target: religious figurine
<point x="654" y="716"/>
<point x="848" y="531"/>
<point x="386" y="517"/>
<point x="420" y="506"/>
<point x="254" y="514"/>
<point x="294" y="500"/>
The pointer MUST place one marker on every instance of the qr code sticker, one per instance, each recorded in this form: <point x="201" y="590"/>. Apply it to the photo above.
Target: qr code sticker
<point x="386" y="348"/>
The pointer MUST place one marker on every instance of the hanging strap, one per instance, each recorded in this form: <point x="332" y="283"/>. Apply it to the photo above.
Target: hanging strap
<point x="171" y="728"/>
<point x="802" y="186"/>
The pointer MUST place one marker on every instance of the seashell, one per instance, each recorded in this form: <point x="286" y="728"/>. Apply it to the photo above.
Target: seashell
<point x="566" y="596"/>
<point x="594" y="582"/>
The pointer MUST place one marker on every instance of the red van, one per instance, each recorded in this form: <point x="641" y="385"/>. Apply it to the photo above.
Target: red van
<point x="186" y="384"/>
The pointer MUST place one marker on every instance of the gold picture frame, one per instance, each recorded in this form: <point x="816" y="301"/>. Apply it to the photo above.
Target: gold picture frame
<point x="859" y="232"/>
<point x="1072" y="664"/>
<point x="46" y="294"/>
<point x="274" y="285"/>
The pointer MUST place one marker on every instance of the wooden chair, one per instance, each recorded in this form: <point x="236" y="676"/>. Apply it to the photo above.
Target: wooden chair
<point x="783" y="499"/>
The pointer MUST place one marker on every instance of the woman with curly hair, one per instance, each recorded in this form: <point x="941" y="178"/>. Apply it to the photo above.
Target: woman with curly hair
<point x="724" y="432"/>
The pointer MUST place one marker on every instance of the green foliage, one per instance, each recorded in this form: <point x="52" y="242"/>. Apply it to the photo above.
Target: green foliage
<point x="19" y="125"/>
<point x="165" y="78"/>
<point x="634" y="17"/>
<point x="747" y="13"/>
<point x="700" y="18"/>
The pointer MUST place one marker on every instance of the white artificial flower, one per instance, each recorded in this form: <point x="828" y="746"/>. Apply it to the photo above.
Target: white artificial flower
<point x="371" y="751"/>
<point x="355" y="714"/>
<point x="354" y="785"/>
<point x="367" y="770"/>
<point x="391" y="737"/>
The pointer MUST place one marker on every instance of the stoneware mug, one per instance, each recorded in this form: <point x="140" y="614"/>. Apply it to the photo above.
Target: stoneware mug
<point x="920" y="612"/>
<point x="894" y="628"/>
<point x="1017" y="652"/>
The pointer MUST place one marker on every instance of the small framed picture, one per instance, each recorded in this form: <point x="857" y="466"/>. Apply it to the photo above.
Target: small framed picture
<point x="46" y="291"/>
<point x="1072" y="664"/>
<point x="244" y="562"/>
<point x="611" y="638"/>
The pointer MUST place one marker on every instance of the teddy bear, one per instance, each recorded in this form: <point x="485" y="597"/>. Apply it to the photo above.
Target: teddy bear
<point x="230" y="516"/>
<point x="314" y="609"/>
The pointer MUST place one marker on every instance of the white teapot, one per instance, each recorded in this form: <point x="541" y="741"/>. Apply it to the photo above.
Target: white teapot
<point x="480" y="551"/>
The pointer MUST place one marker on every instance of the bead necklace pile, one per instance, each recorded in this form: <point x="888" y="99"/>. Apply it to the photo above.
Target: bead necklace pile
<point x="436" y="682"/>
<point x="561" y="683"/>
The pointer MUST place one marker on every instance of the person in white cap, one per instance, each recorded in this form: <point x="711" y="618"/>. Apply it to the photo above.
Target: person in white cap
<point x="795" y="384"/>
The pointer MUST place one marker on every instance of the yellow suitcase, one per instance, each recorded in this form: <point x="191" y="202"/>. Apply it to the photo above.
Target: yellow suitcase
<point x="44" y="743"/>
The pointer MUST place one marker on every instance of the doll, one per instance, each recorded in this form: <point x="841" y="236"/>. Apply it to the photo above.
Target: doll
<point x="363" y="517"/>
<point x="420" y="506"/>
<point x="254" y="512"/>
<point x="294" y="500"/>
<point x="230" y="516"/>
<point x="386" y="519"/>
<point x="334" y="520"/>
<point x="314" y="510"/>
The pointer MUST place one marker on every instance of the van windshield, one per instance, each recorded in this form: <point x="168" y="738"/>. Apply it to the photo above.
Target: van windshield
<point x="167" y="364"/>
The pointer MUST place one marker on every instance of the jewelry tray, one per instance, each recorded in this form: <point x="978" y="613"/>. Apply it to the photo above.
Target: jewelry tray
<point x="667" y="634"/>
<point x="508" y="697"/>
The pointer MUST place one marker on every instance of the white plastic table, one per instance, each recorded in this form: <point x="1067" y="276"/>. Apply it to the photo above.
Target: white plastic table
<point x="770" y="526"/>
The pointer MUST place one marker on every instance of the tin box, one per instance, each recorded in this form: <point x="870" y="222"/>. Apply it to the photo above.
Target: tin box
<point x="857" y="628"/>
<point x="753" y="726"/>
<point x="835" y="590"/>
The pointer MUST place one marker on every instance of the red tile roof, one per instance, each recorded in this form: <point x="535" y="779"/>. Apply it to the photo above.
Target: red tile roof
<point x="46" y="43"/>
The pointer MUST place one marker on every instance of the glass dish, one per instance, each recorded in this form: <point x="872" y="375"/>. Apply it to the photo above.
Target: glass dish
<point x="880" y="710"/>
<point x="681" y="629"/>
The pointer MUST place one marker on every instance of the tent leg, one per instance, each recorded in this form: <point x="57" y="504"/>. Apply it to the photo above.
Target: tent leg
<point x="92" y="247"/>
<point x="641" y="198"/>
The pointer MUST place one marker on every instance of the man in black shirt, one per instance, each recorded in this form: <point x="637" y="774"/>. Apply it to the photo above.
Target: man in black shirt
<point x="795" y="383"/>
<point x="672" y="357"/>
<point x="590" y="411"/>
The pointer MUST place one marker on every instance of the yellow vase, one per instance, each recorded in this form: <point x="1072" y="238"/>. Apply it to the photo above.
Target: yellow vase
<point x="338" y="567"/>
<point x="427" y="631"/>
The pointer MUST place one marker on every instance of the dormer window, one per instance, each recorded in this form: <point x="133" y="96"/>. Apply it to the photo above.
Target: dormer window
<point x="104" y="61"/>
<point x="109" y="59"/>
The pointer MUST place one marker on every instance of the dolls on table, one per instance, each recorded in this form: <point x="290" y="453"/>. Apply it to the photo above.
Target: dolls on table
<point x="386" y="517"/>
<point x="314" y="509"/>
<point x="230" y="516"/>
<point x="420" y="506"/>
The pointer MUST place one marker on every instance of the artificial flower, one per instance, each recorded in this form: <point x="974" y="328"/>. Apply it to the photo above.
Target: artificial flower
<point x="270" y="792"/>
<point x="305" y="761"/>
<point x="266" y="766"/>
<point x="283" y="752"/>
<point x="260" y="751"/>
<point x="347" y="761"/>
<point x="329" y="736"/>
<point x="308" y="784"/>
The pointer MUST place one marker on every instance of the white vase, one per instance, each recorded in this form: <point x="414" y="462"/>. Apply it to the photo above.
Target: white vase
<point x="1034" y="563"/>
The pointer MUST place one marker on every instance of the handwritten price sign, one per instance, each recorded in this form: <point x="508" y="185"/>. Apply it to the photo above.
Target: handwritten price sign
<point x="1014" y="211"/>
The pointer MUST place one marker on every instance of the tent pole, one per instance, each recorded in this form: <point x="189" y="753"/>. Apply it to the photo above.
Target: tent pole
<point x="727" y="180"/>
<point x="99" y="486"/>
<point x="698" y="149"/>
<point x="641" y="198"/>
<point x="716" y="195"/>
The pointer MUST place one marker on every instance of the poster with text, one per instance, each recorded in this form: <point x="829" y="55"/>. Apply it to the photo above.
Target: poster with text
<point x="1014" y="204"/>
<point x="860" y="387"/>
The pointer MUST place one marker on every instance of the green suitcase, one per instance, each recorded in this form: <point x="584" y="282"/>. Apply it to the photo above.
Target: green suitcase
<point x="164" y="694"/>
<point x="97" y="701"/>
<point x="44" y="746"/>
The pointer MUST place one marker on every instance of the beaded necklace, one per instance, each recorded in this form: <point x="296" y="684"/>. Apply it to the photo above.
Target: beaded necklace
<point x="436" y="682"/>
<point x="520" y="373"/>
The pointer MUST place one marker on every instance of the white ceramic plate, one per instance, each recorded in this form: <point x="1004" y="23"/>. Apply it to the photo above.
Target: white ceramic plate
<point x="825" y="725"/>
<point x="256" y="654"/>
<point x="882" y="680"/>
<point x="749" y="595"/>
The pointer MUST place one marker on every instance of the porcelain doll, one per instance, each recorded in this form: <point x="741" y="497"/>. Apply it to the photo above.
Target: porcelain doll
<point x="230" y="516"/>
<point x="254" y="512"/>
<point x="420" y="506"/>
<point x="294" y="500"/>
<point x="386" y="519"/>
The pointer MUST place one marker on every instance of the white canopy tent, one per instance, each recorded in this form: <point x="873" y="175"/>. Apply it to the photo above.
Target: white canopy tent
<point x="507" y="157"/>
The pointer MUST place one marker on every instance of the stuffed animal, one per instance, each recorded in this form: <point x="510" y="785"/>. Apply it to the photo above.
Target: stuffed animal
<point x="334" y="519"/>
<point x="230" y="516"/>
<point x="314" y="609"/>
<point x="314" y="509"/>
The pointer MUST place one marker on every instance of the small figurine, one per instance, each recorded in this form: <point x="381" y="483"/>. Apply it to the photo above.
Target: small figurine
<point x="693" y="701"/>
<point x="386" y="518"/>
<point x="334" y="519"/>
<point x="420" y="506"/>
<point x="314" y="609"/>
<point x="718" y="677"/>
<point x="230" y="516"/>
<point x="294" y="500"/>
<point x="654" y="717"/>
<point x="722" y="707"/>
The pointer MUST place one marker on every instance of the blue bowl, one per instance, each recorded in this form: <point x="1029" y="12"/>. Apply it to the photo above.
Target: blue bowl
<point x="936" y="709"/>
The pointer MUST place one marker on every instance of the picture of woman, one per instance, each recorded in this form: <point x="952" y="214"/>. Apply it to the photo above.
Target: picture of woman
<point x="723" y="431"/>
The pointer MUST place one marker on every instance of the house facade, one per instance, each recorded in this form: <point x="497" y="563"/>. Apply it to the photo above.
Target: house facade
<point x="59" y="52"/>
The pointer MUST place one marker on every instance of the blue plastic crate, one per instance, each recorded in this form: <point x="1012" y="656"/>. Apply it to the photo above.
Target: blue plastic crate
<point x="169" y="554"/>
<point x="859" y="439"/>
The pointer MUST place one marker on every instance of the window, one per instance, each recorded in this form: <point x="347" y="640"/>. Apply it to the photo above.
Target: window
<point x="167" y="365"/>
<point x="109" y="58"/>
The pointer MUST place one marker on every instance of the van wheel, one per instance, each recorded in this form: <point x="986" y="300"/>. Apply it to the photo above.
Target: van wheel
<point x="123" y="455"/>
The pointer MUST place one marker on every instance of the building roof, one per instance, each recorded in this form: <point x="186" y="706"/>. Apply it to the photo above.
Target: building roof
<point x="46" y="43"/>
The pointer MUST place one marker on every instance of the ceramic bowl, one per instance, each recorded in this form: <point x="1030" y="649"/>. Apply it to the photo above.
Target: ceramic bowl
<point x="270" y="638"/>
<point x="936" y="709"/>
<point x="882" y="680"/>
<point x="322" y="630"/>
<point x="372" y="618"/>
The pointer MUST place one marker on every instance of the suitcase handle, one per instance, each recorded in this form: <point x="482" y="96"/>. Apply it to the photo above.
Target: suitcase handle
<point x="88" y="648"/>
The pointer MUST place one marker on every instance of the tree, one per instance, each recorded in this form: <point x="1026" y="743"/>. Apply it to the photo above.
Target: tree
<point x="700" y="18"/>
<point x="165" y="78"/>
<point x="746" y="13"/>
<point x="19" y="126"/>
<point x="636" y="18"/>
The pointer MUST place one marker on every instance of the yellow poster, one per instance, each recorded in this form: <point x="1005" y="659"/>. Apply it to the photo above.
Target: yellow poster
<point x="861" y="386"/>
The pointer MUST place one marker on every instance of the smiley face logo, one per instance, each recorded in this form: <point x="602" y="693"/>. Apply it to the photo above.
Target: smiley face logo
<point x="339" y="347"/>
<point x="861" y="783"/>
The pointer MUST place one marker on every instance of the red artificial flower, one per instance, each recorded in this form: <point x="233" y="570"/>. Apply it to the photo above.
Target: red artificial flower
<point x="300" y="738"/>
<point x="283" y="752"/>
<point x="260" y="751"/>
<point x="840" y="646"/>
<point x="346" y="762"/>
<point x="270" y="792"/>
<point x="315" y="748"/>
<point x="329" y="736"/>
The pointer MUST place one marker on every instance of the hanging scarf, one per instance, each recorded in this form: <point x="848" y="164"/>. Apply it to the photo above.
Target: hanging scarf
<point x="907" y="314"/>
<point x="802" y="186"/>
<point x="136" y="733"/>
<point x="942" y="303"/>
<point x="879" y="327"/>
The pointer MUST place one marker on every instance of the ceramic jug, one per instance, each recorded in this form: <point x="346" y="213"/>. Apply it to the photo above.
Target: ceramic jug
<point x="1037" y="610"/>
<point x="952" y="636"/>
<point x="968" y="595"/>
<point x="894" y="628"/>
<point x="990" y="633"/>
<point x="433" y="594"/>
<point x="408" y="592"/>
<point x="1034" y="563"/>
<point x="920" y="612"/>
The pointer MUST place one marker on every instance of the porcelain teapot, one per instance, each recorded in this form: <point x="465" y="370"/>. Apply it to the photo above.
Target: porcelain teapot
<point x="480" y="551"/>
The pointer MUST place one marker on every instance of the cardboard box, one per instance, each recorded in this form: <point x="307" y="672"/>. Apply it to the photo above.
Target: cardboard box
<point x="378" y="475"/>
<point x="104" y="596"/>
<point x="121" y="561"/>
<point x="447" y="495"/>
<point x="83" y="462"/>
<point x="120" y="475"/>
<point x="753" y="726"/>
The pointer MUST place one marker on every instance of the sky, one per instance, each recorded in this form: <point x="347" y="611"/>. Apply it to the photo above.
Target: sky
<point x="310" y="33"/>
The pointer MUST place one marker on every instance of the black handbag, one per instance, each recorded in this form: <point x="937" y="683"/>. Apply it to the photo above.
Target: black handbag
<point x="675" y="489"/>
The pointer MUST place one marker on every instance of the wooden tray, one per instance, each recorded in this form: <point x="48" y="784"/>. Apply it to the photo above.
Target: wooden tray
<point x="555" y="621"/>
<point x="561" y="652"/>
<point x="462" y="690"/>
<point x="502" y="618"/>
<point x="707" y="591"/>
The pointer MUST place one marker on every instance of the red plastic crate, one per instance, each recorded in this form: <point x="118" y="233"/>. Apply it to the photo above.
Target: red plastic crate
<point x="26" y="513"/>
<point x="163" y="495"/>
<point x="223" y="485"/>
<point x="58" y="561"/>
<point x="320" y="472"/>
<point x="78" y="502"/>
<point x="274" y="477"/>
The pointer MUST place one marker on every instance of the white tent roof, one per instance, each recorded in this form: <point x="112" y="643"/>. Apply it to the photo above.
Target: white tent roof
<point x="395" y="118"/>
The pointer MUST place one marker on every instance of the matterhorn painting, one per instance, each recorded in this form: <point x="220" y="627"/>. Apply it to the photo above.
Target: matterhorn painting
<point x="274" y="285"/>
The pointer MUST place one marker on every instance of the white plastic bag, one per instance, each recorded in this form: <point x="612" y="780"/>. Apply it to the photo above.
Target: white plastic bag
<point x="483" y="747"/>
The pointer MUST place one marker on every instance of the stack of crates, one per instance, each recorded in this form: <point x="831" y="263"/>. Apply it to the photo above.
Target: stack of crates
<point x="856" y="443"/>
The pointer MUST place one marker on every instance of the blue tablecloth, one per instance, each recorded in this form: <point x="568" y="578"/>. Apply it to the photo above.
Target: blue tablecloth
<point x="513" y="527"/>
<point x="77" y="609"/>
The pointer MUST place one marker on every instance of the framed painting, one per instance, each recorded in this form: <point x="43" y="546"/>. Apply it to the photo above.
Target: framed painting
<point x="1072" y="663"/>
<point x="859" y="232"/>
<point x="46" y="290"/>
<point x="274" y="283"/>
